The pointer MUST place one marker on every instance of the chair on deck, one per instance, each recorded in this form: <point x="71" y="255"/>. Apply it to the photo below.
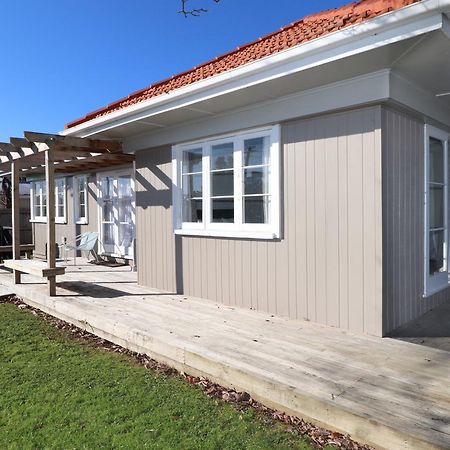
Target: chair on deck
<point x="84" y="242"/>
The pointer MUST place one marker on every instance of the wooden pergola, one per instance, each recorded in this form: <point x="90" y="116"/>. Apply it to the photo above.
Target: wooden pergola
<point x="48" y="154"/>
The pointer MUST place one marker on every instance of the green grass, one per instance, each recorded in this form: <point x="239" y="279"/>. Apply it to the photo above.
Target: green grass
<point x="56" y="392"/>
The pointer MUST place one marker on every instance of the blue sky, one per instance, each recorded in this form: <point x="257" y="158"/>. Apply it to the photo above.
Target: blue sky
<point x="64" y="58"/>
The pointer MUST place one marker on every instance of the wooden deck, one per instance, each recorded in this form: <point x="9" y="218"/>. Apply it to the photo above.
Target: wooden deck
<point x="388" y="393"/>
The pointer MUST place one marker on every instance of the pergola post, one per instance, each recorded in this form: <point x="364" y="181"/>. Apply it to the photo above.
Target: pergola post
<point x="15" y="179"/>
<point x="51" y="240"/>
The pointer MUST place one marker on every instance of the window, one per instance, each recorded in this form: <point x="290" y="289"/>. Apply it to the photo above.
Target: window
<point x="39" y="201"/>
<point x="228" y="186"/>
<point x="60" y="200"/>
<point x="436" y="210"/>
<point x="80" y="199"/>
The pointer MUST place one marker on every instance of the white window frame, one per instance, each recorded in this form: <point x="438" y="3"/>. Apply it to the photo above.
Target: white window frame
<point x="63" y="218"/>
<point x="437" y="282"/>
<point x="238" y="229"/>
<point x="43" y="188"/>
<point x="115" y="174"/>
<point x="76" y="200"/>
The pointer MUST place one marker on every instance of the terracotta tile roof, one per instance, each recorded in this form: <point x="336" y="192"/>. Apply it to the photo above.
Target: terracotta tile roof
<point x="299" y="32"/>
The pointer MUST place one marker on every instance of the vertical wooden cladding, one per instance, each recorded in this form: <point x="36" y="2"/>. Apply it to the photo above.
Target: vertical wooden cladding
<point x="156" y="244"/>
<point x="69" y="229"/>
<point x="327" y="266"/>
<point x="403" y="221"/>
<point x="332" y="185"/>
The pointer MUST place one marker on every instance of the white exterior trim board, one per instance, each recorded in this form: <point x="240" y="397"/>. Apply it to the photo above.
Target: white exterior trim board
<point x="356" y="91"/>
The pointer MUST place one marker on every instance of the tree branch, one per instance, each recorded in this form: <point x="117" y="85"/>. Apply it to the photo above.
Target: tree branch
<point x="195" y="12"/>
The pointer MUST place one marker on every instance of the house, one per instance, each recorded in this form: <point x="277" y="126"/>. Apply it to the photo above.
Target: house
<point x="304" y="174"/>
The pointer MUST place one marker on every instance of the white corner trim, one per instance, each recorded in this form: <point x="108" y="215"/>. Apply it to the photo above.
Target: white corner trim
<point x="413" y="20"/>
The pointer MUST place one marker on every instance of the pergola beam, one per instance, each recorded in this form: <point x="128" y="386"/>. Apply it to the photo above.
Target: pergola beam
<point x="21" y="142"/>
<point x="7" y="148"/>
<point x="95" y="145"/>
<point x="51" y="153"/>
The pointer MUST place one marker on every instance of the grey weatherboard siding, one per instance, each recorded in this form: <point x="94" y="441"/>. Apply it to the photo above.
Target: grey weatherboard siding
<point x="327" y="267"/>
<point x="403" y="221"/>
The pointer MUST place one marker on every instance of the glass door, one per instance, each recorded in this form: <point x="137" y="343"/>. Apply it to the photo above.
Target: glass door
<point x="436" y="210"/>
<point x="117" y="218"/>
<point x="125" y="215"/>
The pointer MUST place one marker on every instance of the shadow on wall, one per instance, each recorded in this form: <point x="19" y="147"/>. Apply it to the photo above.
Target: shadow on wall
<point x="154" y="189"/>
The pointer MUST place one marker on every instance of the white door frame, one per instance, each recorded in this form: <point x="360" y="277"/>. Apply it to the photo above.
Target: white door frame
<point x="438" y="281"/>
<point x="115" y="174"/>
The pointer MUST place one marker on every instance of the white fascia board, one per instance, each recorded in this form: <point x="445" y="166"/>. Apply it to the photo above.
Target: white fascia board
<point x="354" y="92"/>
<point x="413" y="20"/>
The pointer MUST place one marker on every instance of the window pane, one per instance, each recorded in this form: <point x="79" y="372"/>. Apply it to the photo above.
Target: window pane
<point x="125" y="210"/>
<point x="126" y="236"/>
<point x="192" y="210"/>
<point x="222" y="156"/>
<point x="436" y="256"/>
<point x="108" y="237"/>
<point x="81" y="184"/>
<point x="256" y="209"/>
<point x="192" y="185"/>
<point x="256" y="151"/>
<point x="44" y="202"/>
<point x="436" y="207"/>
<point x="192" y="160"/>
<point x="256" y="180"/>
<point x="82" y="212"/>
<point x="107" y="187"/>
<point x="60" y="211"/>
<point x="436" y="168"/>
<point x="108" y="211"/>
<point x="37" y="200"/>
<point x="223" y="210"/>
<point x="222" y="183"/>
<point x="124" y="184"/>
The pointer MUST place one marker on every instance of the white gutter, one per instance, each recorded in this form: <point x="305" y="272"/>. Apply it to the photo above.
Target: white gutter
<point x="405" y="23"/>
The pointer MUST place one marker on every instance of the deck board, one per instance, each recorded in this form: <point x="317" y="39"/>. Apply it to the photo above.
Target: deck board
<point x="388" y="393"/>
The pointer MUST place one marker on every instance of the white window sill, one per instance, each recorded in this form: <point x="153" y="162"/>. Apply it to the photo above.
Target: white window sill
<point x="81" y="222"/>
<point x="59" y="221"/>
<point x="263" y="235"/>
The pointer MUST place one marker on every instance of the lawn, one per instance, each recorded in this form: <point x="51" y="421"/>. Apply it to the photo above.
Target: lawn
<point x="57" y="392"/>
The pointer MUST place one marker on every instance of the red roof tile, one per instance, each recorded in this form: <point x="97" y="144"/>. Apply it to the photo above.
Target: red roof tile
<point x="303" y="30"/>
